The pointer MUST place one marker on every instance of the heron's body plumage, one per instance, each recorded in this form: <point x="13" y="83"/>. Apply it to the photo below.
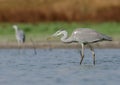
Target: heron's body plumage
<point x="84" y="36"/>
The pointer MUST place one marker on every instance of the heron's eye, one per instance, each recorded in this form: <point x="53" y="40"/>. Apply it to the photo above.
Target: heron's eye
<point x="57" y="32"/>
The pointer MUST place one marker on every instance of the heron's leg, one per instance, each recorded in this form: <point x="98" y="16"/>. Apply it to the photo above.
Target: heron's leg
<point x="35" y="52"/>
<point x="82" y="53"/>
<point x="23" y="47"/>
<point x="93" y="53"/>
<point x="19" y="47"/>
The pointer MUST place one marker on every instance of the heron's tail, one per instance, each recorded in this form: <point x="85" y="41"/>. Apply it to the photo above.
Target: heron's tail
<point x="107" y="38"/>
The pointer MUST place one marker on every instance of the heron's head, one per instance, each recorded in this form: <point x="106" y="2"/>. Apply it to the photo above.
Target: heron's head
<point x="15" y="27"/>
<point x="59" y="32"/>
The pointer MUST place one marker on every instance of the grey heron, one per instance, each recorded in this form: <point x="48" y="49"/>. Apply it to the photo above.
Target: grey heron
<point x="20" y="36"/>
<point x="84" y="36"/>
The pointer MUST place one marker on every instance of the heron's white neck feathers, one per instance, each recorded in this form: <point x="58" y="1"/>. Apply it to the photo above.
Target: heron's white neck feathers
<point x="16" y="28"/>
<point x="65" y="35"/>
<point x="65" y="38"/>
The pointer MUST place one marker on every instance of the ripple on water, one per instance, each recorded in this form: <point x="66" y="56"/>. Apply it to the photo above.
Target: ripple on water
<point x="59" y="66"/>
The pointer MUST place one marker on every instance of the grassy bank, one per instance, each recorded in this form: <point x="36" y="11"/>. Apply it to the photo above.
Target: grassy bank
<point x="40" y="31"/>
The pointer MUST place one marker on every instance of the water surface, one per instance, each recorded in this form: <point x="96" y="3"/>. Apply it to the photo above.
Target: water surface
<point x="59" y="67"/>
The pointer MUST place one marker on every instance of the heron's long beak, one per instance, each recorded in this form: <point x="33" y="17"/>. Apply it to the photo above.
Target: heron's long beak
<point x="50" y="38"/>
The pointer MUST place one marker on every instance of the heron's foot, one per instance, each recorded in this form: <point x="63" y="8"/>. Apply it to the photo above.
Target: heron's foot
<point x="80" y="63"/>
<point x="81" y="60"/>
<point x="94" y="63"/>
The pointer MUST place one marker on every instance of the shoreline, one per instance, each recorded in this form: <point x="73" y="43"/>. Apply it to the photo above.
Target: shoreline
<point x="49" y="45"/>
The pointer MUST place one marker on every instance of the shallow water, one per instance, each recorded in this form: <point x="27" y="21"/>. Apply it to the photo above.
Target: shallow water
<point x="59" y="67"/>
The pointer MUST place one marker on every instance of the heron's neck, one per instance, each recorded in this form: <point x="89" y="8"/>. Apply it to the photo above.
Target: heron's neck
<point x="65" y="38"/>
<point x="16" y="29"/>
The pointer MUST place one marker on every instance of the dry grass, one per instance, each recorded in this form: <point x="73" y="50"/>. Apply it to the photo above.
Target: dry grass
<point x="59" y="10"/>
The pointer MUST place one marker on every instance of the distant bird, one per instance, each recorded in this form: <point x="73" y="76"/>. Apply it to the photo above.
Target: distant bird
<point x="20" y="35"/>
<point x="84" y="36"/>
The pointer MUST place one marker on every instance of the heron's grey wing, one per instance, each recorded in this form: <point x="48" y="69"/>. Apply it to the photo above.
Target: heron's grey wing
<point x="86" y="35"/>
<point x="105" y="37"/>
<point x="21" y="35"/>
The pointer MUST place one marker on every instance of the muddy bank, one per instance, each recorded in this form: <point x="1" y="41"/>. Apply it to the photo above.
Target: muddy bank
<point x="49" y="45"/>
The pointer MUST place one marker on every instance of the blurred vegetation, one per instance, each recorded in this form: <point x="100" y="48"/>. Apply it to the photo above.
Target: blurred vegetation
<point x="44" y="17"/>
<point x="40" y="31"/>
<point x="59" y="10"/>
